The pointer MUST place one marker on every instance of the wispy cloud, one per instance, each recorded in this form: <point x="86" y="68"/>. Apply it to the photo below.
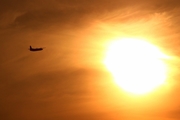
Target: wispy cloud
<point x="59" y="82"/>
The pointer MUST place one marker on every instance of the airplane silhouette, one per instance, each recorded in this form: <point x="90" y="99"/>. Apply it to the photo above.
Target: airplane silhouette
<point x="35" y="49"/>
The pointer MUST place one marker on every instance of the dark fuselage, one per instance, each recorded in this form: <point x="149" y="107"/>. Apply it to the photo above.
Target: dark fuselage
<point x="35" y="49"/>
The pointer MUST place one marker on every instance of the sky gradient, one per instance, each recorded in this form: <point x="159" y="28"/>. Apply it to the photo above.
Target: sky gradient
<point x="68" y="80"/>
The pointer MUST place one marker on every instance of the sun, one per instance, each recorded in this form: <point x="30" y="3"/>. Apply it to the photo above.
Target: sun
<point x="137" y="65"/>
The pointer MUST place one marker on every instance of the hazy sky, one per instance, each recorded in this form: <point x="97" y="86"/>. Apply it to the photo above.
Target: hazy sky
<point x="67" y="80"/>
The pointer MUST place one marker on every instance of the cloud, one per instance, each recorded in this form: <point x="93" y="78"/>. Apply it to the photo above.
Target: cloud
<point x="58" y="83"/>
<point x="44" y="19"/>
<point x="38" y="14"/>
<point x="46" y="94"/>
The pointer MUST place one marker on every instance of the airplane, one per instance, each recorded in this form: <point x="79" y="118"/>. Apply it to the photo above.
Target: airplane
<point x="35" y="49"/>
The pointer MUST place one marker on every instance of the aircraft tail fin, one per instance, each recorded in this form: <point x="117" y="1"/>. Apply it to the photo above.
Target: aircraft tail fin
<point x="30" y="48"/>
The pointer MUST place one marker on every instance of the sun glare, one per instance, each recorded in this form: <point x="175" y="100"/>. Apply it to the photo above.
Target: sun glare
<point x="137" y="65"/>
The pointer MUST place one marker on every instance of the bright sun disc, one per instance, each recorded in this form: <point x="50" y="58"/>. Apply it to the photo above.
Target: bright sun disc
<point x="136" y="65"/>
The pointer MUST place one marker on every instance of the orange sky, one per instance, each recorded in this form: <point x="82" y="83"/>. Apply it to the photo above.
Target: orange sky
<point x="67" y="80"/>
